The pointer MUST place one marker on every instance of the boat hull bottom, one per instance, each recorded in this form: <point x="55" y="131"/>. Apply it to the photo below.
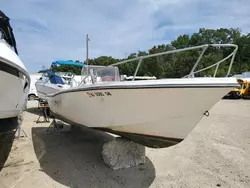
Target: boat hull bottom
<point x="145" y="140"/>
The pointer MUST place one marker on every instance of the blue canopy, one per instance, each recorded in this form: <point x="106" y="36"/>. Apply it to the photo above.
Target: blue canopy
<point x="65" y="62"/>
<point x="49" y="73"/>
<point x="54" y="79"/>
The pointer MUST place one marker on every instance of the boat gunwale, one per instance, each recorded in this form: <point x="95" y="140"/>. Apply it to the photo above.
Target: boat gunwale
<point x="148" y="86"/>
<point x="15" y="66"/>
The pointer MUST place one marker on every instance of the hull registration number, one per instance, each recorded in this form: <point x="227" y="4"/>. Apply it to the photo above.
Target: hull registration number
<point x="98" y="94"/>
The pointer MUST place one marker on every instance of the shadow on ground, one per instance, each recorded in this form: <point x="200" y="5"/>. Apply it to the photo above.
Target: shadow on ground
<point x="34" y="110"/>
<point x="39" y="114"/>
<point x="8" y="125"/>
<point x="7" y="136"/>
<point x="74" y="159"/>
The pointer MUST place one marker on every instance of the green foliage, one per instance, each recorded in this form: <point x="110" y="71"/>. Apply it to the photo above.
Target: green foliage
<point x="67" y="68"/>
<point x="41" y="71"/>
<point x="180" y="64"/>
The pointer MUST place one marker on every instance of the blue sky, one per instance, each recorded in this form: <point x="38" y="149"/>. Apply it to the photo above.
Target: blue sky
<point x="48" y="30"/>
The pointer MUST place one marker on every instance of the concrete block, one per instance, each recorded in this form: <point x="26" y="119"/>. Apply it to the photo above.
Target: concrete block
<point x="121" y="153"/>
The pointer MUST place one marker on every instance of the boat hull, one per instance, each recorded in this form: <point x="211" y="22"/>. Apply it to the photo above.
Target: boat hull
<point x="155" y="117"/>
<point x="43" y="89"/>
<point x="13" y="98"/>
<point x="14" y="84"/>
<point x="14" y="78"/>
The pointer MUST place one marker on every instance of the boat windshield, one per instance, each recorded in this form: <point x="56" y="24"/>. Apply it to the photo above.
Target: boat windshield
<point x="108" y="74"/>
<point x="86" y="69"/>
<point x="100" y="73"/>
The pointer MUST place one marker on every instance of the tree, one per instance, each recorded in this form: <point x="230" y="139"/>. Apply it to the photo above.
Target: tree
<point x="180" y="64"/>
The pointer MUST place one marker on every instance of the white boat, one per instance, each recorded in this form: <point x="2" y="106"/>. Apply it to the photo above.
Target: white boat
<point x="154" y="113"/>
<point x="49" y="83"/>
<point x="52" y="82"/>
<point x="14" y="78"/>
<point x="70" y="78"/>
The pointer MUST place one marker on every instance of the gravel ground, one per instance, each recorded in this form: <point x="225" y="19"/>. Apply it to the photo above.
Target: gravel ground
<point x="215" y="154"/>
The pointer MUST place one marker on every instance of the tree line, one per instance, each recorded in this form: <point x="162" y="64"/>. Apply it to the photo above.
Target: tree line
<point x="180" y="64"/>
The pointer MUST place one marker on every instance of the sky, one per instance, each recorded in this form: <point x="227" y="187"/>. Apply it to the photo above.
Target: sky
<point x="48" y="30"/>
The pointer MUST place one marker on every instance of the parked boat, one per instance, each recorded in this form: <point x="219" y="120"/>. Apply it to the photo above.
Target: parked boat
<point x="14" y="78"/>
<point x="155" y="113"/>
<point x="52" y="82"/>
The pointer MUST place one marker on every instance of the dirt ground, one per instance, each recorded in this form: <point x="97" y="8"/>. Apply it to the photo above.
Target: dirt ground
<point x="215" y="154"/>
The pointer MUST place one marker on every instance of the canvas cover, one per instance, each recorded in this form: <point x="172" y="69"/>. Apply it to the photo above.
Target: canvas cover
<point x="7" y="30"/>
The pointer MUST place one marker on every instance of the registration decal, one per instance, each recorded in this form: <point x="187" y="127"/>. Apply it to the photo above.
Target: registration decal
<point x="98" y="94"/>
<point x="90" y="94"/>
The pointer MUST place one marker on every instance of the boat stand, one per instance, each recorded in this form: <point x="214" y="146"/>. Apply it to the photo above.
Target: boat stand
<point x="55" y="126"/>
<point x="43" y="105"/>
<point x="20" y="132"/>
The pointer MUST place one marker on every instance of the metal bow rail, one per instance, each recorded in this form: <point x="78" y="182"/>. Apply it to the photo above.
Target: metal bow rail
<point x="192" y="72"/>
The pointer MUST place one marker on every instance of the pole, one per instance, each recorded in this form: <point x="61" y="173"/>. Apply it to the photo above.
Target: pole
<point x="87" y="50"/>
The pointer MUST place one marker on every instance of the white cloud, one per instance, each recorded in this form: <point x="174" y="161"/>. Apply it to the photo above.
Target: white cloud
<point x="50" y="30"/>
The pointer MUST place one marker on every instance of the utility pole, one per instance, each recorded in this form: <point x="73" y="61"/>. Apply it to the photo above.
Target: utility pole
<point x="87" y="49"/>
<point x="87" y="53"/>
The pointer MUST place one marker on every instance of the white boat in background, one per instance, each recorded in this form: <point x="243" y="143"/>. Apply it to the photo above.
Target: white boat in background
<point x="14" y="78"/>
<point x="70" y="78"/>
<point x="52" y="82"/>
<point x="154" y="113"/>
<point x="49" y="83"/>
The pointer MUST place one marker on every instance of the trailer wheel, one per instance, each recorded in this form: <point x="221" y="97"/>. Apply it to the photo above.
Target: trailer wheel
<point x="32" y="97"/>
